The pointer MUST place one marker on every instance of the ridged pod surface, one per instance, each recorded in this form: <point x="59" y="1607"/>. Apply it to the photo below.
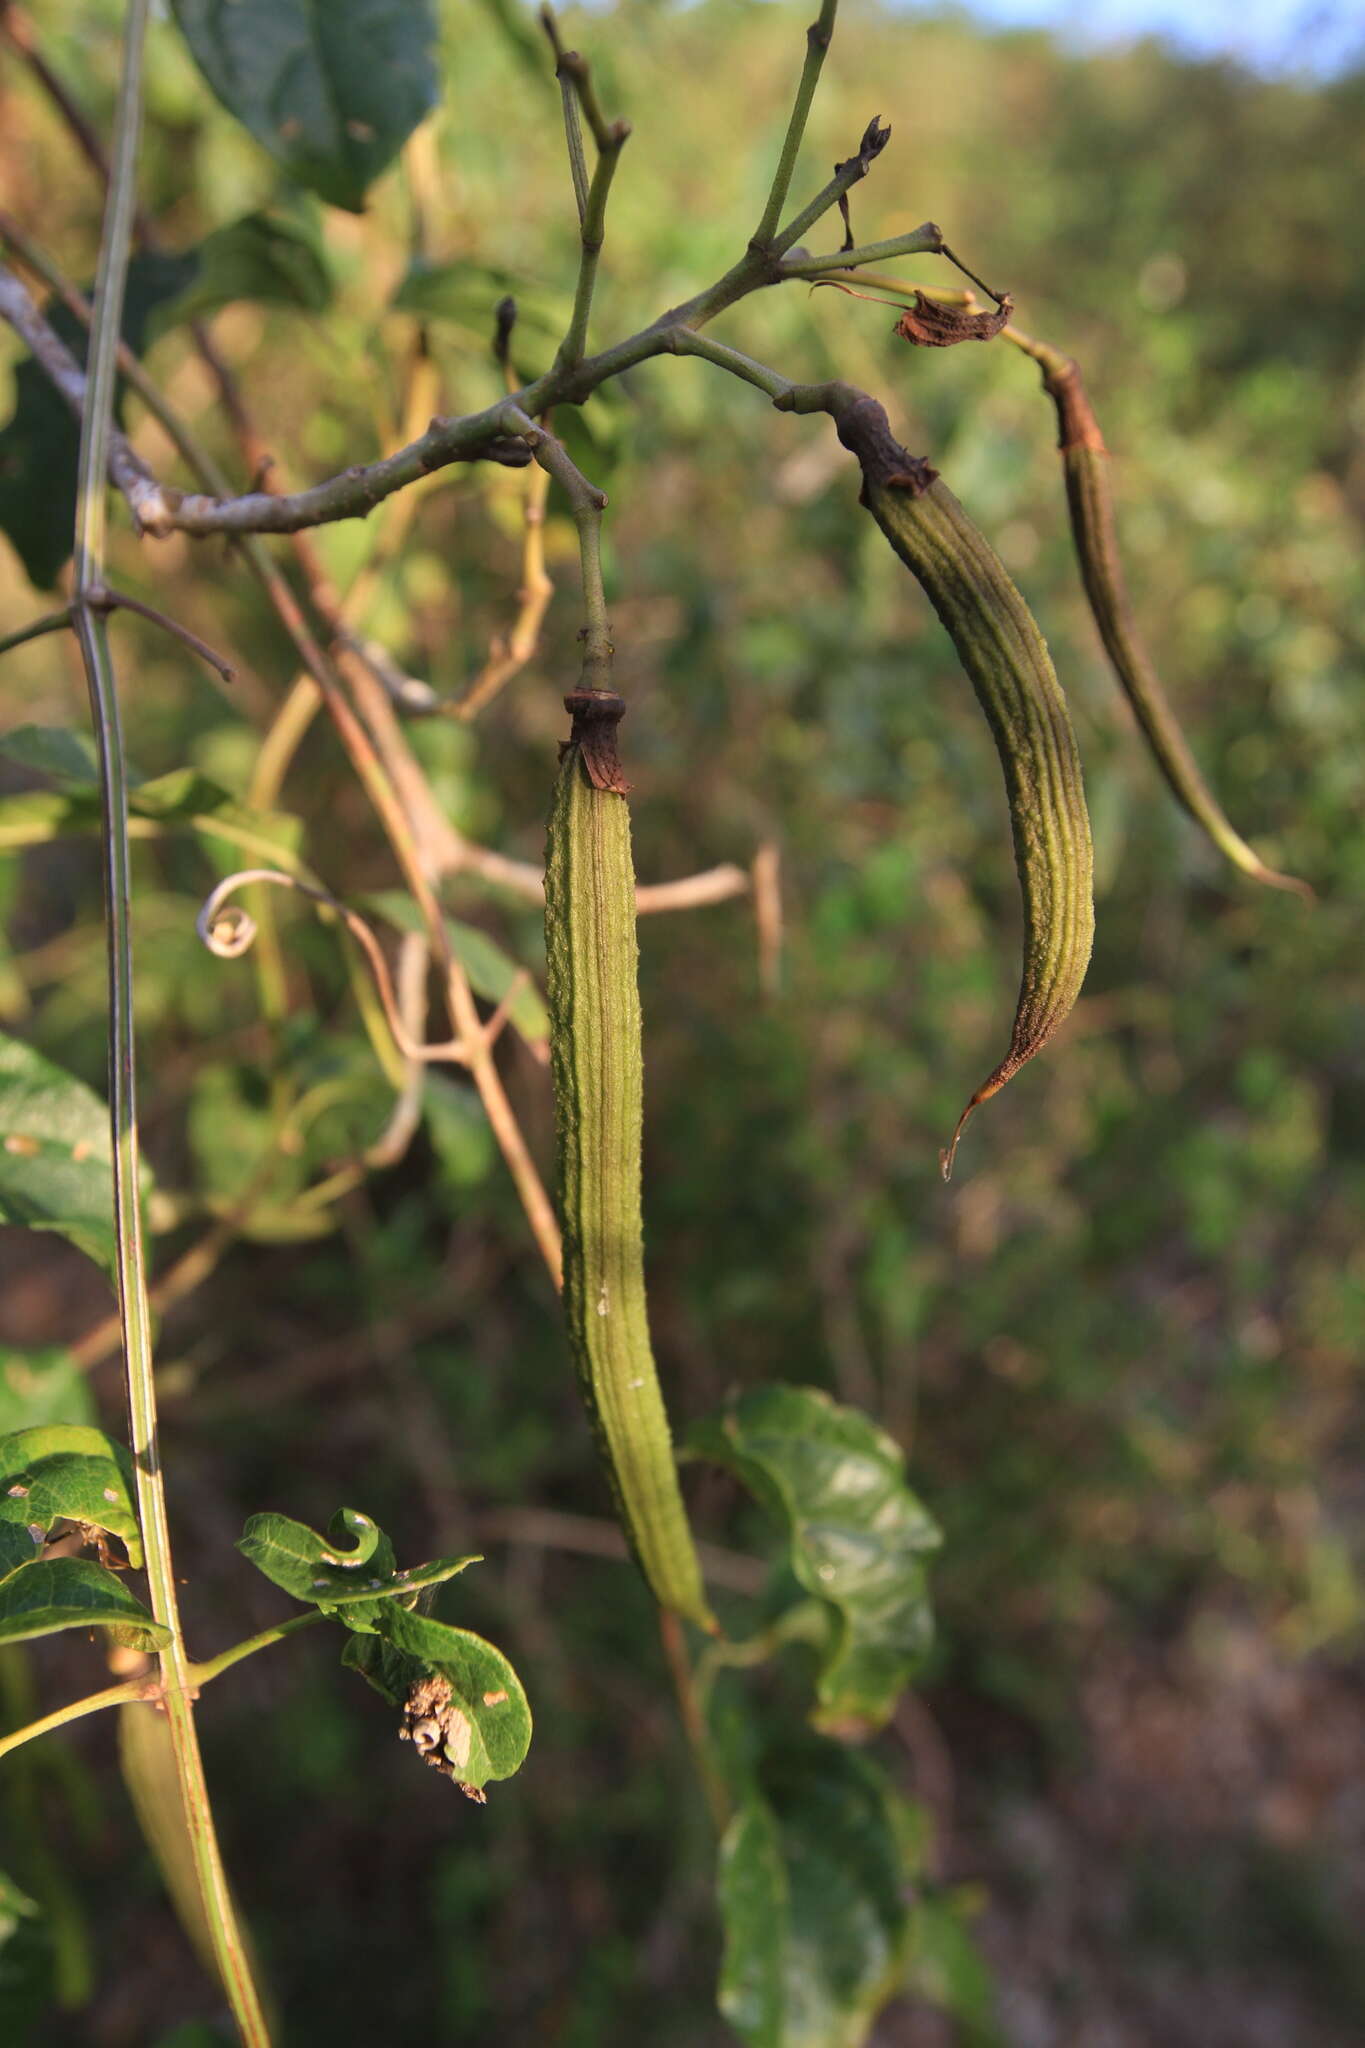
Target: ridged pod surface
<point x="1091" y="502"/>
<point x="1010" y="669"/>
<point x="597" y="1063"/>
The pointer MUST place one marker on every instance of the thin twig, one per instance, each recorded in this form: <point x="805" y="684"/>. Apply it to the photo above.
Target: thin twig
<point x="925" y="240"/>
<point x="414" y="960"/>
<point x="568" y="63"/>
<point x="573" y="128"/>
<point x="110" y="600"/>
<point x="510" y="652"/>
<point x="50" y="622"/>
<point x="767" y="885"/>
<point x="228" y="931"/>
<point x="818" y="37"/>
<point x="93" y="465"/>
<point x="588" y="1536"/>
<point x="54" y="358"/>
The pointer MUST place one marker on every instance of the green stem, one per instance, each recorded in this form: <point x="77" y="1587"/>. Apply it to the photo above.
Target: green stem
<point x="818" y="37"/>
<point x="213" y="1667"/>
<point x="134" y="1309"/>
<point x="920" y="241"/>
<point x="50" y="622"/>
<point x="573" y="126"/>
<point x="113" y="1696"/>
<point x="593" y="234"/>
<point x="587" y="504"/>
<point x="686" y="342"/>
<point x="132" y="1689"/>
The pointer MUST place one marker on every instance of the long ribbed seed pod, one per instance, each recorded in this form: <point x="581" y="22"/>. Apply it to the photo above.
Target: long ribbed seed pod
<point x="1011" y="671"/>
<point x="1091" y="501"/>
<point x="595" y="1053"/>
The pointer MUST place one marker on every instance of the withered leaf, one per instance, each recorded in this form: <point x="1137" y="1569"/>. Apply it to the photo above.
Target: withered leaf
<point x="931" y="324"/>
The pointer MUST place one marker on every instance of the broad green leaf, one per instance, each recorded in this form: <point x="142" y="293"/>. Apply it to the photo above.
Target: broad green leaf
<point x="38" y="446"/>
<point x="814" y="1898"/>
<point x="350" y="1572"/>
<point x="945" y="1967"/>
<point x="751" y="1892"/>
<point x="42" y="1386"/>
<point x="27" y="1976"/>
<point x="272" y="258"/>
<point x="492" y="972"/>
<point x="55" y="1593"/>
<point x="55" y="1171"/>
<point x="856" y="1536"/>
<point x="458" y="1129"/>
<point x="57" y="750"/>
<point x="18" y="1545"/>
<point x="65" y="1471"/>
<point x="489" y="1719"/>
<point x="184" y="800"/>
<point x="467" y="294"/>
<point x="332" y="91"/>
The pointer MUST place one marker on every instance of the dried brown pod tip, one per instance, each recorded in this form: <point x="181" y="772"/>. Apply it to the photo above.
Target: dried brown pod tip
<point x="931" y="324"/>
<point x="1090" y="500"/>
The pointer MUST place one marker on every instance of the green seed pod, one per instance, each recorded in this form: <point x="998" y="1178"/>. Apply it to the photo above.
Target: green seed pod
<point x="1091" y="503"/>
<point x="1011" y="671"/>
<point x="595" y="1052"/>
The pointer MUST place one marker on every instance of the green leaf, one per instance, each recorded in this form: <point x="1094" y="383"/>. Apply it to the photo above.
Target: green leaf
<point x="458" y="1130"/>
<point x="492" y="972"/>
<point x="67" y="1471"/>
<point x="39" y="445"/>
<point x="55" y="1593"/>
<point x="488" y="1720"/>
<point x="357" y="1583"/>
<point x="331" y="91"/>
<point x="55" y="750"/>
<point x="27" y="1974"/>
<point x="184" y="800"/>
<point x="55" y="1170"/>
<point x="856" y="1534"/>
<point x="18" y="1545"/>
<point x="751" y="1892"/>
<point x="945" y="1967"/>
<point x="42" y="1386"/>
<point x="467" y="293"/>
<point x="273" y="258"/>
<point x="813" y="1891"/>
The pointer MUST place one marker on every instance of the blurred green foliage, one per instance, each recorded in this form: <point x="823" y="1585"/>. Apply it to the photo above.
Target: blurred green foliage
<point x="1120" y="1350"/>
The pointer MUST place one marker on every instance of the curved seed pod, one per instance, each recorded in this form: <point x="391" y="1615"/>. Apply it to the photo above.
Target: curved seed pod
<point x="595" y="1055"/>
<point x="1091" y="503"/>
<point x="1011" y="671"/>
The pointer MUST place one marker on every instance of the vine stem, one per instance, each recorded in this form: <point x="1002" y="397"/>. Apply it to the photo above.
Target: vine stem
<point x="818" y="38"/>
<point x="135" y="1691"/>
<point x="89" y="620"/>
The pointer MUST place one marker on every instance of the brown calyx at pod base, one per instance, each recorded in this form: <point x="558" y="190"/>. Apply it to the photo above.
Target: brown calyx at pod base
<point x="596" y="715"/>
<point x="930" y="324"/>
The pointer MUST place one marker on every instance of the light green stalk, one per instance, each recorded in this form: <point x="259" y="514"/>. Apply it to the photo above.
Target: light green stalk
<point x="134" y="1309"/>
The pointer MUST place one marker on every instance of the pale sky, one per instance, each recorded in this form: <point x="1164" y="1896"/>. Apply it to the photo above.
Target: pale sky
<point x="1319" y="36"/>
